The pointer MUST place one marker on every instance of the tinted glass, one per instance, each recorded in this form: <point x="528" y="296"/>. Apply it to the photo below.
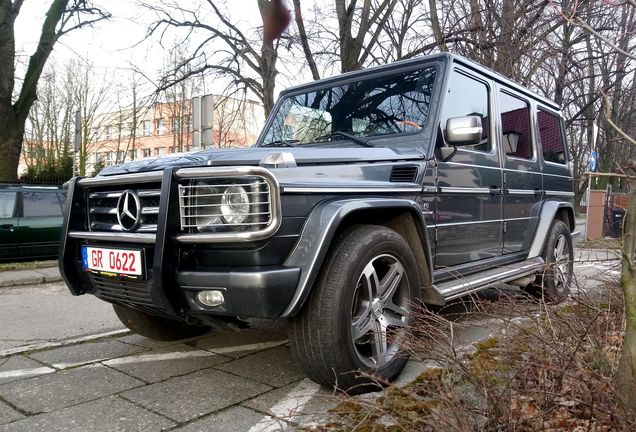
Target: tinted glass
<point x="41" y="204"/>
<point x="468" y="97"/>
<point x="551" y="137"/>
<point x="7" y="204"/>
<point x="515" y="126"/>
<point x="397" y="103"/>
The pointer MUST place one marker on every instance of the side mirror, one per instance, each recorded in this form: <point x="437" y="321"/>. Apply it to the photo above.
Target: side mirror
<point x="461" y="131"/>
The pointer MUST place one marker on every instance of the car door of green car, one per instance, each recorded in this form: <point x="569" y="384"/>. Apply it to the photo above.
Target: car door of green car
<point x="39" y="224"/>
<point x="8" y="225"/>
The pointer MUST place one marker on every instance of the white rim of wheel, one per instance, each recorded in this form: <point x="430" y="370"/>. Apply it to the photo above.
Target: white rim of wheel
<point x="380" y="311"/>
<point x="561" y="263"/>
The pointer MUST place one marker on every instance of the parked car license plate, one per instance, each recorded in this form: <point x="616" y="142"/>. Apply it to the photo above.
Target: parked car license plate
<point x="113" y="262"/>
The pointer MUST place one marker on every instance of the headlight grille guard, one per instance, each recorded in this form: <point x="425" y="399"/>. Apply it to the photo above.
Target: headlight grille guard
<point x="238" y="174"/>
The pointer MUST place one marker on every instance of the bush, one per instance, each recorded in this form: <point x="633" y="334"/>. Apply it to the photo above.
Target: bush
<point x="546" y="368"/>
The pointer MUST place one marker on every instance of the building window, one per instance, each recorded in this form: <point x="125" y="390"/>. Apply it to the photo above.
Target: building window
<point x="161" y="126"/>
<point x="146" y="153"/>
<point x="110" y="132"/>
<point x="147" y="127"/>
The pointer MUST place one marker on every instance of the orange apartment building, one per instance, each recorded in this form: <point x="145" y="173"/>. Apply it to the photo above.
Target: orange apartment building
<point x="157" y="130"/>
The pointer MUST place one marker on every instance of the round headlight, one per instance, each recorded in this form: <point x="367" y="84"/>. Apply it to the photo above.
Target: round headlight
<point x="206" y="204"/>
<point x="235" y="205"/>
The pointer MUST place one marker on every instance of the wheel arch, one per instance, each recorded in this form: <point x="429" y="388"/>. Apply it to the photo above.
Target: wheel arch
<point x="329" y="218"/>
<point x="551" y="210"/>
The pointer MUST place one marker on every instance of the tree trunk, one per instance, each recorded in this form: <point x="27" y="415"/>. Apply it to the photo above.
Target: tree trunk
<point x="626" y="373"/>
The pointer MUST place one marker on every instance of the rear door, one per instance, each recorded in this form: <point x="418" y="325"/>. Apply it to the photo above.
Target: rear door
<point x="521" y="169"/>
<point x="8" y="225"/>
<point x="40" y="223"/>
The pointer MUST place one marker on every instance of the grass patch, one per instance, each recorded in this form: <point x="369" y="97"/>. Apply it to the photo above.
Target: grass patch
<point x="27" y="265"/>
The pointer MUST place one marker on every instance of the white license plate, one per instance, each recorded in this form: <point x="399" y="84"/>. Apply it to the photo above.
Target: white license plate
<point x="115" y="261"/>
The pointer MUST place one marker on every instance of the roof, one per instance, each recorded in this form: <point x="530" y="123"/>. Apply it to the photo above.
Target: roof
<point x="444" y="57"/>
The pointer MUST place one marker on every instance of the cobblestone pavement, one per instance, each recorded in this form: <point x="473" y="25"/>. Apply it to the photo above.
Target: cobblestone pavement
<point x="234" y="381"/>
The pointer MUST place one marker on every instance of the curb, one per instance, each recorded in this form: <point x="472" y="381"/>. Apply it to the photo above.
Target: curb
<point x="29" y="277"/>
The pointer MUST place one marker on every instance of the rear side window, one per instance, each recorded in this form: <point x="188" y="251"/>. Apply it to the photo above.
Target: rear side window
<point x="551" y="134"/>
<point x="41" y="204"/>
<point x="468" y="97"/>
<point x="515" y="126"/>
<point x="7" y="204"/>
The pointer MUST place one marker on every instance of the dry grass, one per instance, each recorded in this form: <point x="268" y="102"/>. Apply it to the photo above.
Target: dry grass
<point x="547" y="368"/>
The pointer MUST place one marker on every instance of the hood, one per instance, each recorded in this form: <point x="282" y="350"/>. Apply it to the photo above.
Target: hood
<point x="253" y="156"/>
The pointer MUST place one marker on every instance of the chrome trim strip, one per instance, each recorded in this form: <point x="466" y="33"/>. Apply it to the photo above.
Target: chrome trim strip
<point x="559" y="193"/>
<point x="462" y="286"/>
<point x="229" y="237"/>
<point x="469" y="223"/>
<point x="472" y="165"/>
<point x="522" y="171"/>
<point x="147" y="177"/>
<point x="518" y="219"/>
<point x="464" y="190"/>
<point x="114" y="236"/>
<point x="388" y="189"/>
<point x="520" y="192"/>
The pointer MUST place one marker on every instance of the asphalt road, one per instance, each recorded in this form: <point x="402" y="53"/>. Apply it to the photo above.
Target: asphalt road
<point x="66" y="365"/>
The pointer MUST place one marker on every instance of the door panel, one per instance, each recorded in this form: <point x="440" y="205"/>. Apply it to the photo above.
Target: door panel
<point x="8" y="225"/>
<point x="468" y="216"/>
<point x="40" y="224"/>
<point x="522" y="171"/>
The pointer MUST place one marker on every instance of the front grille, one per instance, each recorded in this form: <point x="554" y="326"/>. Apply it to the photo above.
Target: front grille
<point x="124" y="291"/>
<point x="102" y="209"/>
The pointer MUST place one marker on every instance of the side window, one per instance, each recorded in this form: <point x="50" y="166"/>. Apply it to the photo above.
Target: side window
<point x="7" y="204"/>
<point x="467" y="97"/>
<point x="515" y="126"/>
<point x="40" y="204"/>
<point x="551" y="136"/>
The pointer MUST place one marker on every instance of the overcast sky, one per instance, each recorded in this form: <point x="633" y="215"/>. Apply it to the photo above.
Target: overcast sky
<point x="115" y="44"/>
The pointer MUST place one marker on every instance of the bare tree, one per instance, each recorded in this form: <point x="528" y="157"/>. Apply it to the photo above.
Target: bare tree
<point x="62" y="17"/>
<point x="247" y="58"/>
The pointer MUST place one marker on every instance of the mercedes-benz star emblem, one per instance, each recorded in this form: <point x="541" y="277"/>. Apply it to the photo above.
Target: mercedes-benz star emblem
<point x="129" y="210"/>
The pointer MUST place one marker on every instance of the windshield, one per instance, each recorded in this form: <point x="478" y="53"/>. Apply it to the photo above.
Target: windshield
<point x="374" y="107"/>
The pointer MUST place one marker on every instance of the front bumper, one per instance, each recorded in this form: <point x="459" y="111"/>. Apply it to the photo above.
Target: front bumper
<point x="170" y="287"/>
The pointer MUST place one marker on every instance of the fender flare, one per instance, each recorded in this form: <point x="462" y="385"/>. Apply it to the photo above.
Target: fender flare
<point x="320" y="229"/>
<point x="547" y="215"/>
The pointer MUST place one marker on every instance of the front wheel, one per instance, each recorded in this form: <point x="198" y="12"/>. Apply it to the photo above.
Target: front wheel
<point x="553" y="284"/>
<point x="357" y="314"/>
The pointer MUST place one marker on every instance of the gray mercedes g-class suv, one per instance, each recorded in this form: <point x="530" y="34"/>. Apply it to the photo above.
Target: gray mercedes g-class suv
<point x="366" y="193"/>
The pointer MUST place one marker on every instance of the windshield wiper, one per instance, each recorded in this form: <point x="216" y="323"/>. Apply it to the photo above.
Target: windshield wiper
<point x="280" y="143"/>
<point x="347" y="135"/>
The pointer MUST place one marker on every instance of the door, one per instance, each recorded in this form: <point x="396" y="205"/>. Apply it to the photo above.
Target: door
<point x="8" y="225"/>
<point x="468" y="217"/>
<point x="522" y="170"/>
<point x="40" y="224"/>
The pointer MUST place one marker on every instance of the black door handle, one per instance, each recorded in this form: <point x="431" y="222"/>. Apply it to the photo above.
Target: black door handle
<point x="6" y="226"/>
<point x="494" y="190"/>
<point x="538" y="192"/>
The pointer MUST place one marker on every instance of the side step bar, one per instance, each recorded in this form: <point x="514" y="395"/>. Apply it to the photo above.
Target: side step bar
<point x="441" y="293"/>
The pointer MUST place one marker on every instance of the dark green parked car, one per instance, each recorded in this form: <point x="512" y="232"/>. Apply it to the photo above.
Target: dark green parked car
<point x="30" y="221"/>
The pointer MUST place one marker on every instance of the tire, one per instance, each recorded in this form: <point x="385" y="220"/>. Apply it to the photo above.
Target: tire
<point x="154" y="327"/>
<point x="553" y="284"/>
<point x="333" y="335"/>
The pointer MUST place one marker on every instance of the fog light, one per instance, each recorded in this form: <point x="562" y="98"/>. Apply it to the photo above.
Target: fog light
<point x="211" y="297"/>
